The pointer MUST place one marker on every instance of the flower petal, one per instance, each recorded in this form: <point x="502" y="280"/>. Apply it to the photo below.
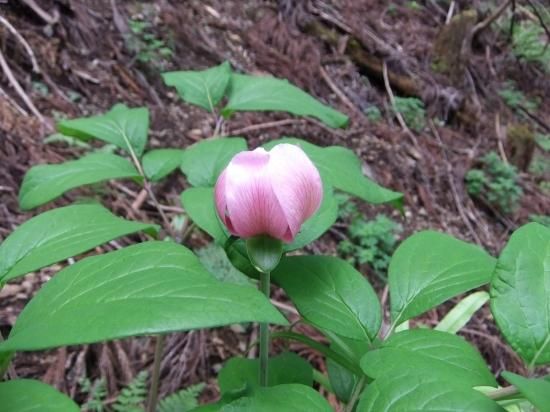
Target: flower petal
<point x="252" y="207"/>
<point x="296" y="183"/>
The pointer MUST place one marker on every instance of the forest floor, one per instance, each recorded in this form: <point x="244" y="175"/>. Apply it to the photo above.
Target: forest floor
<point x="474" y="95"/>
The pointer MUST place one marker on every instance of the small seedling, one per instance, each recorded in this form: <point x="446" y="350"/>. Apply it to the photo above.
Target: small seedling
<point x="496" y="182"/>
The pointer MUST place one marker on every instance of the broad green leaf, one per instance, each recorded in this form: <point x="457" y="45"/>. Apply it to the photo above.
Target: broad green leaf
<point x="266" y="93"/>
<point x="148" y="288"/>
<point x="537" y="391"/>
<point x="341" y="168"/>
<point x="198" y="202"/>
<point x="202" y="88"/>
<point x="405" y="392"/>
<point x="331" y="294"/>
<point x="343" y="381"/>
<point x="319" y="223"/>
<point x="159" y="163"/>
<point x="282" y="398"/>
<point x="432" y="353"/>
<point x="124" y="127"/>
<point x="26" y="395"/>
<point x="461" y="314"/>
<point x="204" y="161"/>
<point x="242" y="375"/>
<point x="44" y="183"/>
<point x="429" y="268"/>
<point x="60" y="233"/>
<point x="520" y="293"/>
<point x="215" y="260"/>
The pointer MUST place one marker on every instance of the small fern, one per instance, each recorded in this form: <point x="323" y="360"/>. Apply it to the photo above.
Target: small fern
<point x="97" y="393"/>
<point x="132" y="398"/>
<point x="182" y="401"/>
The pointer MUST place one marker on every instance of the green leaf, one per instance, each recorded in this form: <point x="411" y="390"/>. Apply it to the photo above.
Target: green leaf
<point x="520" y="298"/>
<point x="264" y="252"/>
<point x="331" y="294"/>
<point x="203" y="162"/>
<point x="24" y="395"/>
<point x="159" y="163"/>
<point x="343" y="381"/>
<point x="266" y="93"/>
<point x="319" y="223"/>
<point x="202" y="88"/>
<point x="242" y="375"/>
<point x="60" y="233"/>
<point x="198" y="202"/>
<point x="44" y="183"/>
<point x="461" y="314"/>
<point x="432" y="353"/>
<point x="535" y="390"/>
<point x="426" y="393"/>
<point x="282" y="398"/>
<point x="124" y="127"/>
<point x="429" y="268"/>
<point x="148" y="288"/>
<point x="341" y="168"/>
<point x="215" y="260"/>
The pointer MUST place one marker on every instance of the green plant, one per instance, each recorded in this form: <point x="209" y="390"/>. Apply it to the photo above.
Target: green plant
<point x="541" y="219"/>
<point x="369" y="242"/>
<point x="373" y="113"/>
<point x="529" y="43"/>
<point x="132" y="397"/>
<point x="496" y="182"/>
<point x="515" y="99"/>
<point x="158" y="287"/>
<point x="412" y="110"/>
<point x="146" y="45"/>
<point x="96" y="392"/>
<point x="184" y="400"/>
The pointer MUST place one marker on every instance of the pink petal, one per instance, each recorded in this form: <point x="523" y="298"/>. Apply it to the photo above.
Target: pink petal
<point x="221" y="204"/>
<point x="296" y="183"/>
<point x="252" y="206"/>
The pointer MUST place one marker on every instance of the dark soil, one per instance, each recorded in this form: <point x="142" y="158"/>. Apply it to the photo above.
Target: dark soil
<point x="86" y="66"/>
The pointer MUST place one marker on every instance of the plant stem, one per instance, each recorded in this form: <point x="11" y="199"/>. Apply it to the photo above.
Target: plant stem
<point x="503" y="393"/>
<point x="323" y="349"/>
<point x="153" y="393"/>
<point x="322" y="380"/>
<point x="264" y="333"/>
<point x="355" y="394"/>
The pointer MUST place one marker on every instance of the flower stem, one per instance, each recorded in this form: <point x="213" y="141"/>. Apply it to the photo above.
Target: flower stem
<point x="264" y="333"/>
<point x="355" y="394"/>
<point x="153" y="392"/>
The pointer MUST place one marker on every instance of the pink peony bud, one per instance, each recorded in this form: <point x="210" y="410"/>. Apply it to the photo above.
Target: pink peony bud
<point x="268" y="193"/>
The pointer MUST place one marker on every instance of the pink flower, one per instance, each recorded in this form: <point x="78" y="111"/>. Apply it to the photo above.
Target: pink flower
<point x="270" y="193"/>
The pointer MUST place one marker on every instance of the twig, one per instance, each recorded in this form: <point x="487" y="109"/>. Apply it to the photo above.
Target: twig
<point x="482" y="25"/>
<point x="13" y="102"/>
<point x="13" y="81"/>
<point x="18" y="36"/>
<point x="338" y="92"/>
<point x="454" y="191"/>
<point x="498" y="131"/>
<point x="43" y="14"/>
<point x="392" y="101"/>
<point x="450" y="12"/>
<point x="540" y="19"/>
<point x="261" y="126"/>
<point x="153" y="393"/>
